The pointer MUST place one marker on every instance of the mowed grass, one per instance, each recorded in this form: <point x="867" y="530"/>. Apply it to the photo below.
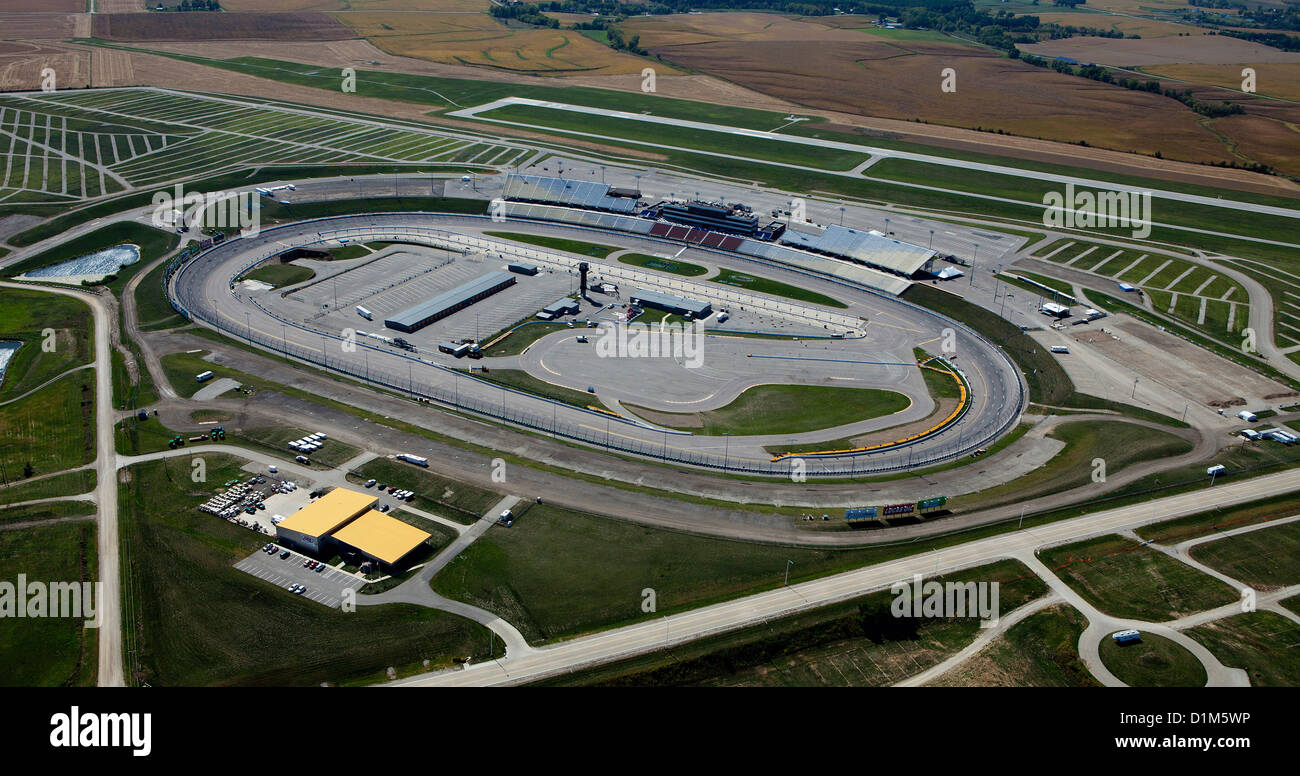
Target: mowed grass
<point x="1265" y="644"/>
<point x="1263" y="558"/>
<point x="182" y="368"/>
<point x="24" y="317"/>
<point x="520" y="380"/>
<point x="1203" y="523"/>
<point x="785" y="409"/>
<point x="521" y="336"/>
<point x="434" y="493"/>
<point x="730" y="277"/>
<point x="1039" y="651"/>
<point x="558" y="243"/>
<point x="661" y="264"/>
<point x="1124" y="579"/>
<point x="559" y="572"/>
<point x="49" y="651"/>
<point x="193" y="619"/>
<point x="50" y="510"/>
<point x="857" y="643"/>
<point x="52" y="429"/>
<point x="279" y="275"/>
<point x="66" y="484"/>
<point x="1155" y="661"/>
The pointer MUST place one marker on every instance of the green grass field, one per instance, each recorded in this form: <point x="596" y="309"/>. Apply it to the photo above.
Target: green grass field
<point x="49" y="651"/>
<point x="1263" y="558"/>
<point x="558" y="243"/>
<point x="558" y="572"/>
<point x="660" y="264"/>
<point x="50" y="510"/>
<point x="24" y="317"/>
<point x="522" y="381"/>
<point x="1123" y="579"/>
<point x="280" y="275"/>
<point x="153" y="310"/>
<point x="519" y="340"/>
<point x="52" y="429"/>
<point x="277" y="438"/>
<point x="784" y="409"/>
<point x="192" y="619"/>
<point x="858" y="643"/>
<point x="1039" y="651"/>
<point x="730" y="277"/>
<point x="66" y="484"/>
<point x="1265" y="644"/>
<point x="1203" y="523"/>
<point x="1155" y="661"/>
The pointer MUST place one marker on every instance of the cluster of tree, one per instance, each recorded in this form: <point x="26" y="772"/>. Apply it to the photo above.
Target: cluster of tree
<point x="192" y="5"/>
<point x="630" y="45"/>
<point x="1098" y="73"/>
<point x="1278" y="40"/>
<point x="526" y="13"/>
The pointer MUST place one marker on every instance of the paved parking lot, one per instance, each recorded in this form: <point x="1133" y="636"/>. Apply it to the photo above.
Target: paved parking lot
<point x="326" y="587"/>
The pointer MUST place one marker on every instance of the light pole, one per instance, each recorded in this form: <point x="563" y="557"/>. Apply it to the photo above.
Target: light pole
<point x="841" y="215"/>
<point x="1135" y="388"/>
<point x="788" y="564"/>
<point x="887" y="232"/>
<point x="931" y="239"/>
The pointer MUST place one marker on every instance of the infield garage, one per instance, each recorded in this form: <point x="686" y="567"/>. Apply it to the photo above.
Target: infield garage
<point x="345" y="522"/>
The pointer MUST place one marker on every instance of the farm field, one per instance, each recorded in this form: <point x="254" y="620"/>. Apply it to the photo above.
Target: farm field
<point x="1127" y="52"/>
<point x="1192" y="293"/>
<point x="849" y="71"/>
<point x="1273" y="79"/>
<point x="203" y="25"/>
<point x="52" y="429"/>
<point x="1124" y="579"/>
<point x="91" y="143"/>
<point x="479" y="40"/>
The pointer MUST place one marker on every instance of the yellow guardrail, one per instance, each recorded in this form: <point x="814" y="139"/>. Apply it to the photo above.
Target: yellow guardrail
<point x="961" y="406"/>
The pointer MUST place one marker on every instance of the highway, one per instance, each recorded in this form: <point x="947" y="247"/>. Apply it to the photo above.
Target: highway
<point x="656" y="632"/>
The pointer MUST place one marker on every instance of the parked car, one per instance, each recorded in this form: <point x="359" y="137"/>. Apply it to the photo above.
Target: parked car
<point x="284" y="555"/>
<point x="370" y="483"/>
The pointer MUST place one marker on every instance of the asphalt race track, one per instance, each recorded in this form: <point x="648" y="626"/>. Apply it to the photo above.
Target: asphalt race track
<point x="881" y="333"/>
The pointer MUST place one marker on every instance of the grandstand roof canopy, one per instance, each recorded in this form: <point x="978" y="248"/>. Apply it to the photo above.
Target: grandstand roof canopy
<point x="379" y="536"/>
<point x="869" y="247"/>
<point x="584" y="194"/>
<point x="328" y="512"/>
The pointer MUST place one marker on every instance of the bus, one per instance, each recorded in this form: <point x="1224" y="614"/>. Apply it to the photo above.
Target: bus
<point x="203" y="377"/>
<point x="415" y="459"/>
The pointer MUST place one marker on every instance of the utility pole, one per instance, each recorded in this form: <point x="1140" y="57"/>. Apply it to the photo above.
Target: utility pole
<point x="788" y="564"/>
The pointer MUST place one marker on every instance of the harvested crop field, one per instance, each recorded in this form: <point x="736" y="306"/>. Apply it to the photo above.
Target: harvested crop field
<point x="287" y="6"/>
<point x="1127" y="52"/>
<point x="219" y="26"/>
<point x="1276" y="80"/>
<point x="1129" y="25"/>
<point x="478" y="40"/>
<point x="868" y="76"/>
<point x="38" y="26"/>
<point x="47" y="6"/>
<point x="119" y="6"/>
<point x="21" y="65"/>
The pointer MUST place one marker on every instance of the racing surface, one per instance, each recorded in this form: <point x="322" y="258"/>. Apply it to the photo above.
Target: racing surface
<point x="867" y="344"/>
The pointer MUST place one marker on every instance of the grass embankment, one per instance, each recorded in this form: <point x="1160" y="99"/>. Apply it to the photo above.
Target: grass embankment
<point x="522" y="381"/>
<point x="1126" y="579"/>
<point x="1155" y="661"/>
<point x="25" y="316"/>
<point x="193" y="619"/>
<point x="279" y="275"/>
<point x="153" y="310"/>
<point x="49" y="651"/>
<point x="433" y="493"/>
<point x="858" y="643"/>
<point x="784" y="409"/>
